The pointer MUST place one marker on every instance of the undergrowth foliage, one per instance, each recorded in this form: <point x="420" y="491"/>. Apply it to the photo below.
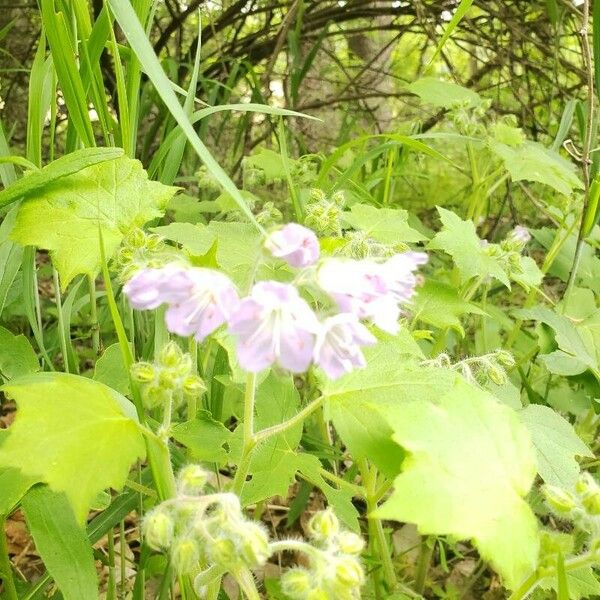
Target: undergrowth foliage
<point x="282" y="387"/>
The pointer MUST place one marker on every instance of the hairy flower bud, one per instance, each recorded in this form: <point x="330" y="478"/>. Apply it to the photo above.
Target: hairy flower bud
<point x="348" y="572"/>
<point x="191" y="480"/>
<point x="586" y="484"/>
<point x="324" y="525"/>
<point x="496" y="374"/>
<point x="185" y="555"/>
<point x="143" y="372"/>
<point x="350" y="543"/>
<point x="296" y="583"/>
<point x="170" y="356"/>
<point x="559" y="500"/>
<point x="223" y="552"/>
<point x="505" y="358"/>
<point x="254" y="545"/>
<point x="158" y="529"/>
<point x="591" y="503"/>
<point x="193" y="386"/>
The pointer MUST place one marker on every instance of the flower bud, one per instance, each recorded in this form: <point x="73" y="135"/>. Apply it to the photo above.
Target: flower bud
<point x="143" y="372"/>
<point x="350" y="543"/>
<point x="191" y="480"/>
<point x="586" y="484"/>
<point x="167" y="379"/>
<point x="158" y="529"/>
<point x="505" y="358"/>
<point x="136" y="238"/>
<point x="348" y="572"/>
<point x="223" y="552"/>
<point x="296" y="583"/>
<point x="324" y="525"/>
<point x="170" y="356"/>
<point x="496" y="374"/>
<point x="154" y="241"/>
<point x="254" y="545"/>
<point x="193" y="386"/>
<point x="559" y="500"/>
<point x="230" y="505"/>
<point x="154" y="396"/>
<point x="591" y="503"/>
<point x="185" y="555"/>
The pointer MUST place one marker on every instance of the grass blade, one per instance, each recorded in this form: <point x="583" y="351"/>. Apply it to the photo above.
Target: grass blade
<point x="140" y="44"/>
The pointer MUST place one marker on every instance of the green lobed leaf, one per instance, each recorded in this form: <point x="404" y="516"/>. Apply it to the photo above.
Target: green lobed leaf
<point x="440" y="305"/>
<point x="471" y="463"/>
<point x="443" y="94"/>
<point x="556" y="445"/>
<point x="17" y="357"/>
<point x="389" y="377"/>
<point x="75" y="434"/>
<point x="204" y="437"/>
<point x="66" y="215"/>
<point x="533" y="162"/>
<point x="111" y="370"/>
<point x="386" y="225"/>
<point x="459" y="239"/>
<point x="62" y="542"/>
<point x="61" y="167"/>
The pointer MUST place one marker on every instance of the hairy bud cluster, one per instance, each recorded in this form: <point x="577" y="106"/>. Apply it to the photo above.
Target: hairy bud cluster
<point x="581" y="505"/>
<point x="207" y="535"/>
<point x="269" y="214"/>
<point x="206" y="180"/>
<point x="335" y="571"/>
<point x="468" y="118"/>
<point x="140" y="250"/>
<point x="204" y="530"/>
<point x="324" y="213"/>
<point x="479" y="370"/>
<point x="169" y="378"/>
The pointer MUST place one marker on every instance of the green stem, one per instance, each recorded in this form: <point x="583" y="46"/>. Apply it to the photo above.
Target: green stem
<point x="111" y="593"/>
<point x="249" y="439"/>
<point x="61" y="322"/>
<point x="192" y="403"/>
<point x="157" y="450"/>
<point x="6" y="566"/>
<point x="300" y="417"/>
<point x="529" y="585"/>
<point x="369" y="477"/>
<point x="425" y="554"/>
<point x="94" y="315"/>
<point x="246" y="580"/>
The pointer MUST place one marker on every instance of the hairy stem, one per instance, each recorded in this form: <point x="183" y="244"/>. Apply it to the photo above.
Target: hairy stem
<point x="249" y="439"/>
<point x="587" y="143"/>
<point x="578" y="562"/>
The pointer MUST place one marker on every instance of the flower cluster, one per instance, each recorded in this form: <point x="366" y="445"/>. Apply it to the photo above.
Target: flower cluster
<point x="205" y="530"/>
<point x="580" y="505"/>
<point x="335" y="570"/>
<point x="170" y="378"/>
<point x="324" y="214"/>
<point x="142" y="250"/>
<point x="274" y="324"/>
<point x="208" y="535"/>
<point x="509" y="251"/>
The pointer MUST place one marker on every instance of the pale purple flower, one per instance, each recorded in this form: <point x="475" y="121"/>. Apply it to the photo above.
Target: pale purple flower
<point x="210" y="300"/>
<point x="373" y="290"/>
<point x="337" y="350"/>
<point x="520" y="234"/>
<point x="295" y="244"/>
<point x="149" y="288"/>
<point x="274" y="325"/>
